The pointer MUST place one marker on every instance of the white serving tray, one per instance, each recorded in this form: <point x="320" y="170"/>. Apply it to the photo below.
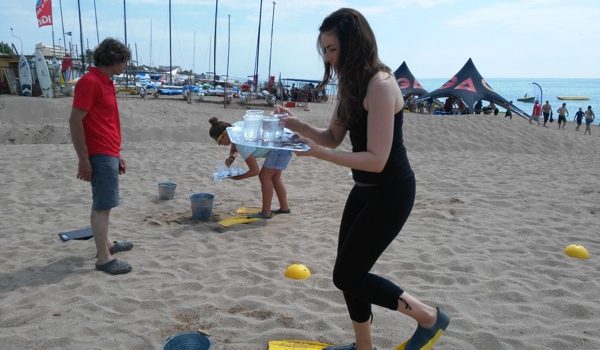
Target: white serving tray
<point x="287" y="141"/>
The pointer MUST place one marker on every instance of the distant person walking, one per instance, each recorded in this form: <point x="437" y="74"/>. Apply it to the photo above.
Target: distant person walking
<point x="96" y="133"/>
<point x="562" y="116"/>
<point x="536" y="113"/>
<point x="547" y="110"/>
<point x="578" y="118"/>
<point x="589" y="119"/>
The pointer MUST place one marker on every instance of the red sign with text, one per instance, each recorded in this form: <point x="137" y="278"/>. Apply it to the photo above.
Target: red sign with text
<point x="43" y="10"/>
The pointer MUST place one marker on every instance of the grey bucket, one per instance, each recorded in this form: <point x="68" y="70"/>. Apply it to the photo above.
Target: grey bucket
<point x="187" y="341"/>
<point x="166" y="190"/>
<point x="202" y="205"/>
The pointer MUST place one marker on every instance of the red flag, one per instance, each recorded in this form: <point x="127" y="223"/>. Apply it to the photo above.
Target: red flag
<point x="43" y="10"/>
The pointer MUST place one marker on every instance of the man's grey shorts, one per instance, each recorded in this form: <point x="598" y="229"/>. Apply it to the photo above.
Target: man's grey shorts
<point x="105" y="182"/>
<point x="277" y="159"/>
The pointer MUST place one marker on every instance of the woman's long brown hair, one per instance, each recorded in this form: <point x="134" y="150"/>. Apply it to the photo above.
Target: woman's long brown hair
<point x="358" y="61"/>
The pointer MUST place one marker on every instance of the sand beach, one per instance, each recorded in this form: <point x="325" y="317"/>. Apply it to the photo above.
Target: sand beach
<point x="497" y="202"/>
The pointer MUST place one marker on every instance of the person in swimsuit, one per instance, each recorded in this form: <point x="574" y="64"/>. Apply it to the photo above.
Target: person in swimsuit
<point x="369" y="107"/>
<point x="589" y="119"/>
<point x="546" y="110"/>
<point x="578" y="118"/>
<point x="562" y="116"/>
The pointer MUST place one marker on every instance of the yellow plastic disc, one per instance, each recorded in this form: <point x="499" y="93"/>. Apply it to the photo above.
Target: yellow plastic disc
<point x="297" y="272"/>
<point x="577" y="251"/>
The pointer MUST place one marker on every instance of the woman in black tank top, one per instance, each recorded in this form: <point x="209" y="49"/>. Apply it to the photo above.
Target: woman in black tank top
<point x="369" y="107"/>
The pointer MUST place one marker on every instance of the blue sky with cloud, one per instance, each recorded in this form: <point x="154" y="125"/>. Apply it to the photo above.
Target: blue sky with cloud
<point x="506" y="39"/>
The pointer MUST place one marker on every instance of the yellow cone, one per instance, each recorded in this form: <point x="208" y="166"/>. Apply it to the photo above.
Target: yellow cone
<point x="297" y="272"/>
<point x="577" y="251"/>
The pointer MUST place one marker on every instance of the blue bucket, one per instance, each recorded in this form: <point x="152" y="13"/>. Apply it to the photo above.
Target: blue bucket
<point x="187" y="341"/>
<point x="202" y="206"/>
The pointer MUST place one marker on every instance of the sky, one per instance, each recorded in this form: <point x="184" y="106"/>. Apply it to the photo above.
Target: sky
<point x="505" y="39"/>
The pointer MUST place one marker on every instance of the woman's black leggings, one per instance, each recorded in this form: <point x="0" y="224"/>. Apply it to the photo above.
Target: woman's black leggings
<point x="372" y="218"/>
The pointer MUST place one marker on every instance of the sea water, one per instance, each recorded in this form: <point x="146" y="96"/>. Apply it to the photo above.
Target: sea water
<point x="514" y="88"/>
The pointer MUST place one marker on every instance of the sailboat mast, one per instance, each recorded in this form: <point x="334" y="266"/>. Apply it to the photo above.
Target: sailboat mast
<point x="257" y="49"/>
<point x="170" y="49"/>
<point x="63" y="26"/>
<point x="194" y="55"/>
<point x="81" y="36"/>
<point x="96" y="17"/>
<point x="215" y="46"/>
<point x="150" y="42"/>
<point x="228" y="46"/>
<point x="209" y="52"/>
<point x="125" y="25"/>
<point x="271" y="45"/>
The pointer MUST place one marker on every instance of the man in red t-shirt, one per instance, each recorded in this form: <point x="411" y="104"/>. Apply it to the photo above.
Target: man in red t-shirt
<point x="96" y="134"/>
<point x="537" y="112"/>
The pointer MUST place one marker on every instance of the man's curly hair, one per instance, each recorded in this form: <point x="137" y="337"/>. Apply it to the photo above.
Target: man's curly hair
<point x="111" y="51"/>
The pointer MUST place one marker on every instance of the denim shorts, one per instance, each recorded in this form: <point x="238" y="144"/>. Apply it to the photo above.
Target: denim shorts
<point x="277" y="159"/>
<point x="105" y="182"/>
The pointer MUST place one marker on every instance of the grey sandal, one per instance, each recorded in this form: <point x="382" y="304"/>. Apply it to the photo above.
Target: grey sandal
<point x="115" y="267"/>
<point x="121" y="246"/>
